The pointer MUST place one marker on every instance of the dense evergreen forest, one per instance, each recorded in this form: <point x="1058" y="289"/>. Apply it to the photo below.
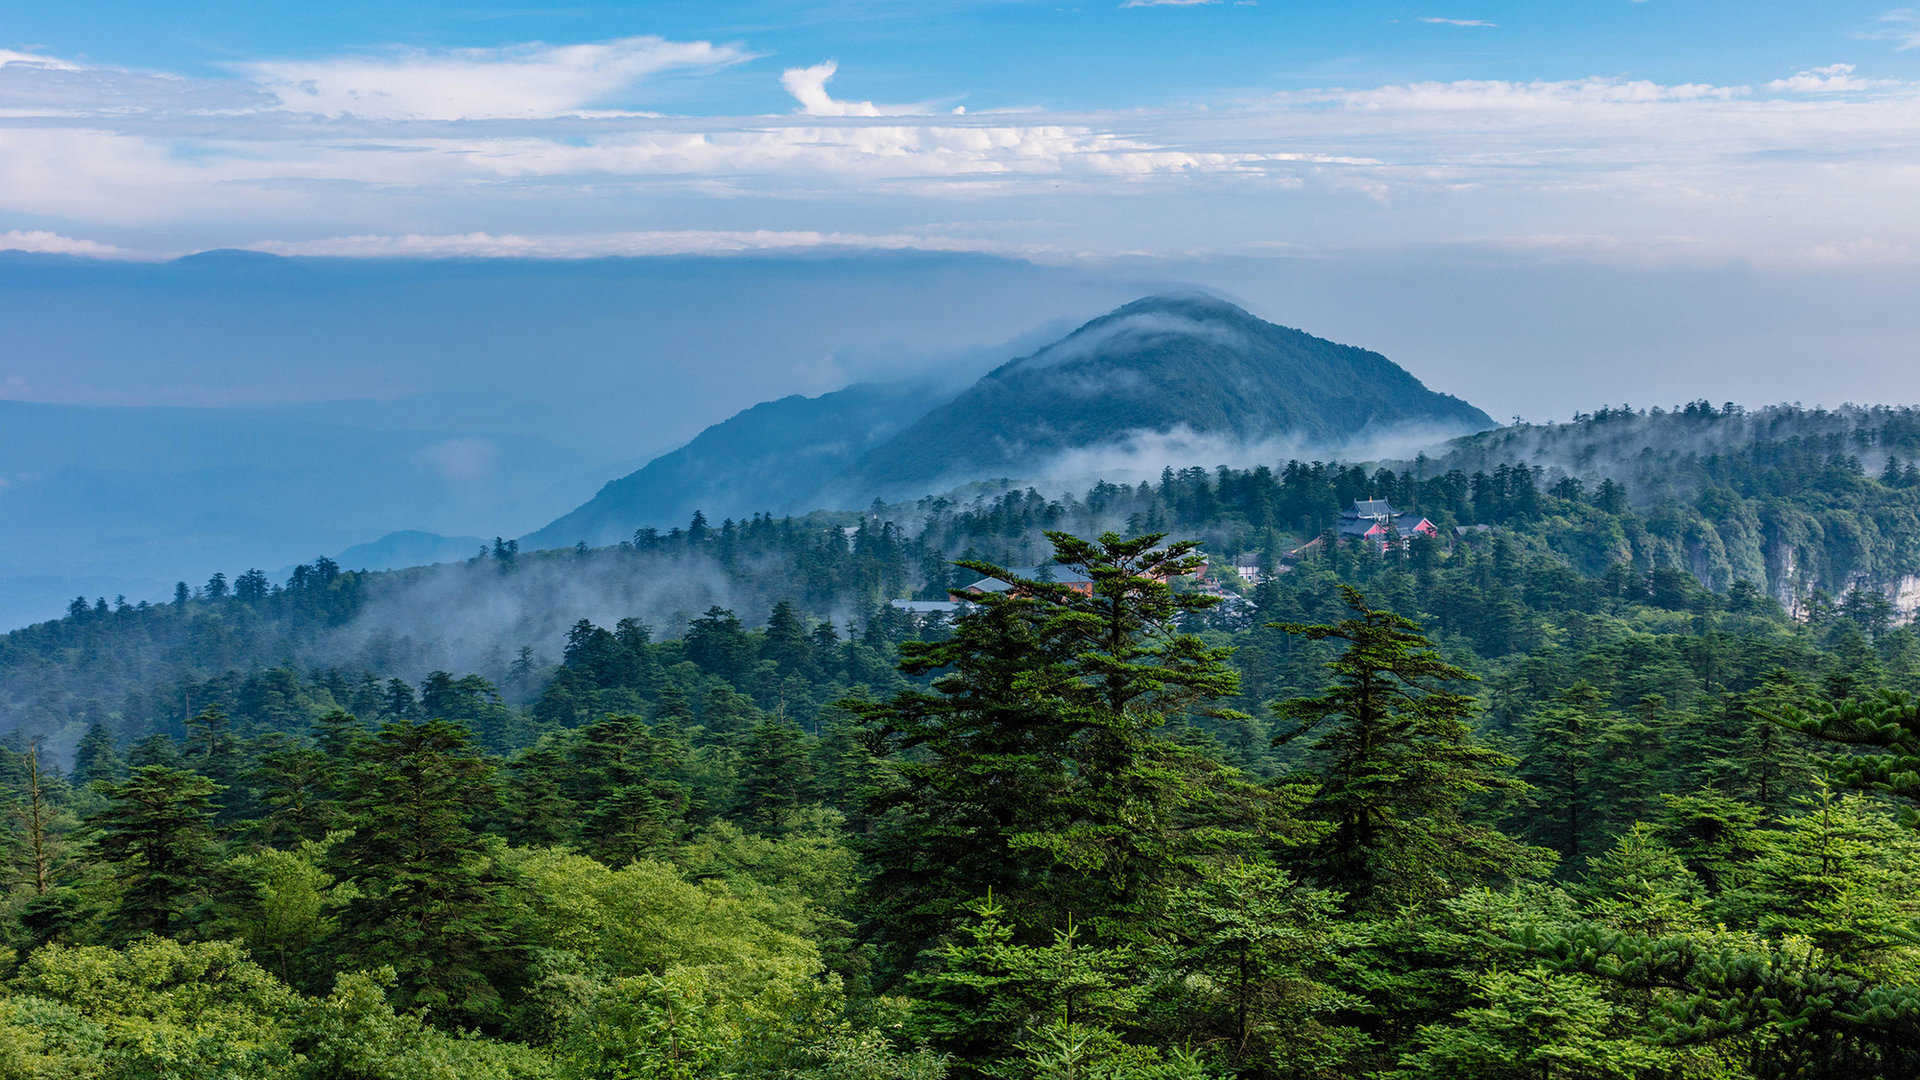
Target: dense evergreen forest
<point x="1584" y="793"/>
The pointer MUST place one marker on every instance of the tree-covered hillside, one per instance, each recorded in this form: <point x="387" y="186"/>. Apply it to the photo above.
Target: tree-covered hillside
<point x="1807" y="501"/>
<point x="1530" y="797"/>
<point x="1457" y="809"/>
<point x="1190" y="368"/>
<point x="1808" y="511"/>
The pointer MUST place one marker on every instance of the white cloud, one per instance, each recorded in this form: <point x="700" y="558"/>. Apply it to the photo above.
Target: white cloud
<point x="532" y="80"/>
<point x="51" y="243"/>
<point x="1473" y="23"/>
<point x="808" y="85"/>
<point x="1859" y="251"/>
<point x="199" y="162"/>
<point x="8" y="56"/>
<point x="1500" y="95"/>
<point x="46" y="87"/>
<point x="1900" y="26"/>
<point x="1832" y="79"/>
<point x="602" y="245"/>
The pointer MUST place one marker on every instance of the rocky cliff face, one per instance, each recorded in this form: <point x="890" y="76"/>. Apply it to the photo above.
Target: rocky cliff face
<point x="1784" y="580"/>
<point x="1790" y="583"/>
<point x="1905" y="594"/>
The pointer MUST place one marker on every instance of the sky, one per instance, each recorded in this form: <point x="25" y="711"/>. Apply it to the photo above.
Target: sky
<point x="1773" y="135"/>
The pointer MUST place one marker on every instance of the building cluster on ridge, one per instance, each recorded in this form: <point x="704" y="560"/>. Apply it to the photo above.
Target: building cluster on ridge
<point x="1377" y="520"/>
<point x="1367" y="521"/>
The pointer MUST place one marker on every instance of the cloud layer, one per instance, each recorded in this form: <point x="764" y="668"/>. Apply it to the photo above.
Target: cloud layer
<point x="43" y="242"/>
<point x="561" y="149"/>
<point x="533" y="80"/>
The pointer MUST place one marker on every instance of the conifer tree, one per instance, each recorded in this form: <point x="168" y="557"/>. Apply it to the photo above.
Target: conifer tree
<point x="1035" y="767"/>
<point x="1837" y="873"/>
<point x="1007" y="1009"/>
<point x="1532" y="1024"/>
<point x="785" y="639"/>
<point x="1397" y="766"/>
<point x="535" y="809"/>
<point x="773" y="777"/>
<point x="624" y="779"/>
<point x="37" y="811"/>
<point x="212" y="750"/>
<point x="295" y="792"/>
<point x="1887" y="721"/>
<point x="1587" y="769"/>
<point x="1255" y="955"/>
<point x="155" y="836"/>
<point x="97" y="758"/>
<point x="426" y="891"/>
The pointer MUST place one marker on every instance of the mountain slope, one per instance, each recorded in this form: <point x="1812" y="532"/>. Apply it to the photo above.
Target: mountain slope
<point x="772" y="457"/>
<point x="1189" y="363"/>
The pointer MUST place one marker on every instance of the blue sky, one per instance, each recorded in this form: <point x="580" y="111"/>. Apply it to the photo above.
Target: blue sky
<point x="1006" y="53"/>
<point x="1661" y="130"/>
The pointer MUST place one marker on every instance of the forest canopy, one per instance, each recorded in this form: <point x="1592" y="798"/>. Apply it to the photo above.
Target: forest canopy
<point x="1529" y="800"/>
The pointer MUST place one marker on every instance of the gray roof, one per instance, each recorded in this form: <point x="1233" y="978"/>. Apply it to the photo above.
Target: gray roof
<point x="1371" y="508"/>
<point x="928" y="607"/>
<point x="1061" y="575"/>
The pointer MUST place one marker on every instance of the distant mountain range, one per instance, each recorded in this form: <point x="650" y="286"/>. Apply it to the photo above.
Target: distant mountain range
<point x="1172" y="379"/>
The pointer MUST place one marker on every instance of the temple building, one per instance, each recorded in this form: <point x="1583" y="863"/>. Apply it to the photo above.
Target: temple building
<point x="1377" y="520"/>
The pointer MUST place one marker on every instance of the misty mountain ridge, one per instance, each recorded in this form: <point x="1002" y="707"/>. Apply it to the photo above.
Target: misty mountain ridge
<point x="767" y="458"/>
<point x="1167" y="379"/>
<point x="1192" y="367"/>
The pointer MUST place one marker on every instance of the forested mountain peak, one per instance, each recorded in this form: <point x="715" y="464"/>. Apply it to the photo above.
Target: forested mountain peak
<point x="1167" y="379"/>
<point x="1167" y="376"/>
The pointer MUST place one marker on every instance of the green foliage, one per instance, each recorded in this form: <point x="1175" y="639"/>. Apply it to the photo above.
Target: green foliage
<point x="155" y="840"/>
<point x="1007" y="1010"/>
<point x="1057" y="843"/>
<point x="1887" y="721"/>
<point x="283" y="909"/>
<point x="1262" y="963"/>
<point x="1035" y="768"/>
<point x="1395" y="766"/>
<point x="157" y="1009"/>
<point x="1532" y="1024"/>
<point x="425" y="887"/>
